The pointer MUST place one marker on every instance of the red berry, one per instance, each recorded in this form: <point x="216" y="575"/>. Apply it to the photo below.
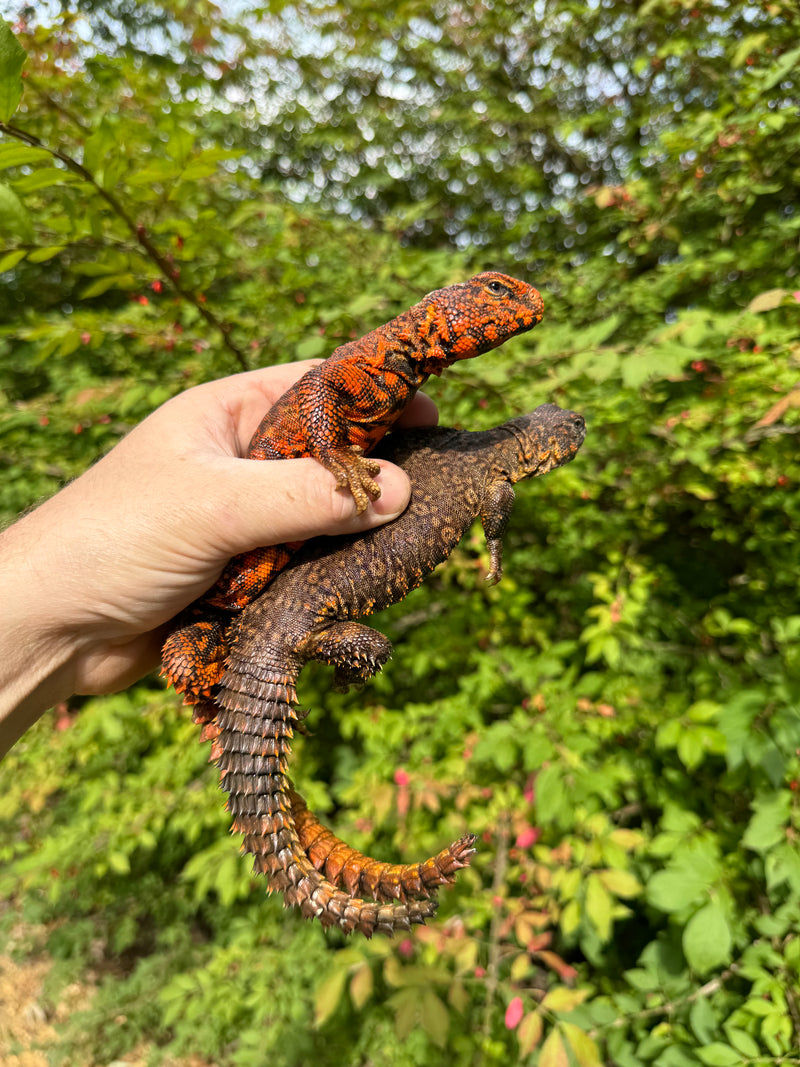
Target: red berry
<point x="529" y="836"/>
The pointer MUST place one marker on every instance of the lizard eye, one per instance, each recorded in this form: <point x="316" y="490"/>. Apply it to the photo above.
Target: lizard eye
<point x="495" y="287"/>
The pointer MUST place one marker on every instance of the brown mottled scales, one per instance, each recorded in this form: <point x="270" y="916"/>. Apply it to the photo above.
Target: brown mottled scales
<point x="309" y="611"/>
<point x="337" y="412"/>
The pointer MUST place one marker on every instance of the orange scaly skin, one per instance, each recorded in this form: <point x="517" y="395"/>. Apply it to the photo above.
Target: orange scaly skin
<point x="337" y="412"/>
<point x="361" y="875"/>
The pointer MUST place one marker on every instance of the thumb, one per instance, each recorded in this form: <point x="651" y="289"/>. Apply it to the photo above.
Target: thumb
<point x="267" y="502"/>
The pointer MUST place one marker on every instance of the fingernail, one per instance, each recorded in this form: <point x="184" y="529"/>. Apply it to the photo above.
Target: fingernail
<point x="395" y="492"/>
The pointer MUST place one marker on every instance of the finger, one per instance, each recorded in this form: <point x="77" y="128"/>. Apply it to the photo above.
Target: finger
<point x="421" y="411"/>
<point x="262" y="503"/>
<point x="252" y="394"/>
<point x="243" y="398"/>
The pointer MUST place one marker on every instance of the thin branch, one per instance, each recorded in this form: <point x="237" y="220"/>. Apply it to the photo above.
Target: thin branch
<point x="493" y="964"/>
<point x="139" y="232"/>
<point x="55" y="105"/>
<point x="671" y="1006"/>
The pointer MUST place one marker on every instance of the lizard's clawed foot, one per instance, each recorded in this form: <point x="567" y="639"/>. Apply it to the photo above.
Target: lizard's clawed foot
<point x="356" y="651"/>
<point x="353" y="471"/>
<point x="194" y="658"/>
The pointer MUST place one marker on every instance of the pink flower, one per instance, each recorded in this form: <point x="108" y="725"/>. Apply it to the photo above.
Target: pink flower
<point x="514" y="1013"/>
<point x="406" y="947"/>
<point x="401" y="777"/>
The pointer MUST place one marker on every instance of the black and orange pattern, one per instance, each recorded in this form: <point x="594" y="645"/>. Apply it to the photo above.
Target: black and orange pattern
<point x="337" y="413"/>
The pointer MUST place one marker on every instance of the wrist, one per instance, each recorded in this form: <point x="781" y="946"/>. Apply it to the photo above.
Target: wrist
<point x="37" y="645"/>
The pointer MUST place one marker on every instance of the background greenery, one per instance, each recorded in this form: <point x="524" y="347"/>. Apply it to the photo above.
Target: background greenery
<point x="618" y="720"/>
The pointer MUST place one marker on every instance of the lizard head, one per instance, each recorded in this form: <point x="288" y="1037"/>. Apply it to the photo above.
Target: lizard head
<point x="477" y="315"/>
<point x="547" y="438"/>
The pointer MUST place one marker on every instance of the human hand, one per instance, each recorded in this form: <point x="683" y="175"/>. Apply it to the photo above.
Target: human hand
<point x="94" y="574"/>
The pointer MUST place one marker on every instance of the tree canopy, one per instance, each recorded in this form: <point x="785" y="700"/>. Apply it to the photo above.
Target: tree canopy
<point x="187" y="190"/>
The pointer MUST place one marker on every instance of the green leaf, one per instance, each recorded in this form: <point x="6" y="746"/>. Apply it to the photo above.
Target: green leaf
<point x="435" y="1019"/>
<point x="718" y="1055"/>
<point x="14" y="154"/>
<point x="99" y="148"/>
<point x="707" y="939"/>
<point x="361" y="986"/>
<point x="110" y="281"/>
<point x="553" y="1053"/>
<point x="787" y="64"/>
<point x="562" y="999"/>
<point x="406" y="1009"/>
<point x="672" y="890"/>
<point x="782" y="864"/>
<point x="598" y="906"/>
<point x="620" y="883"/>
<point x="742" y="1041"/>
<point x="328" y="995"/>
<point x="703" y="1020"/>
<point x="12" y="58"/>
<point x="551" y="796"/>
<point x="41" y="255"/>
<point x="43" y="178"/>
<point x="11" y="259"/>
<point x="767" y="827"/>
<point x="119" y="862"/>
<point x="529" y="1033"/>
<point x="583" y="1047"/>
<point x="14" y="218"/>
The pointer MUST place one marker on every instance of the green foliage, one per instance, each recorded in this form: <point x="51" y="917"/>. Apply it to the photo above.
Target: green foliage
<point x="618" y="719"/>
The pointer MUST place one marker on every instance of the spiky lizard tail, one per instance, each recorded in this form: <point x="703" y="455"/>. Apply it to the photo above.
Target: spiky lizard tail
<point x="251" y="737"/>
<point x="361" y="874"/>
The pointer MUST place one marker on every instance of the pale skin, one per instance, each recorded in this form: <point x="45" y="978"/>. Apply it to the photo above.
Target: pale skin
<point x="91" y="578"/>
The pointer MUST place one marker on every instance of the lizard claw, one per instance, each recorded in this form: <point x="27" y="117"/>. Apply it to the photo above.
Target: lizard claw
<point x="353" y="471"/>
